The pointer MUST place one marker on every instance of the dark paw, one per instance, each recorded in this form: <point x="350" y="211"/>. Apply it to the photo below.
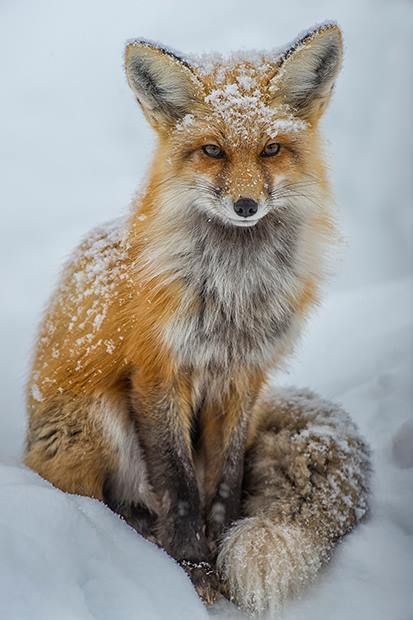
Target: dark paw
<point x="204" y="579"/>
<point x="183" y="539"/>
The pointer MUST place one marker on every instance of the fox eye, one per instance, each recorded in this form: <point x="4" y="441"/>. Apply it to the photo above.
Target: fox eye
<point x="212" y="150"/>
<point x="271" y="149"/>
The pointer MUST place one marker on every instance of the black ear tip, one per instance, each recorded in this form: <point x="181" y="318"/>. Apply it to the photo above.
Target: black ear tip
<point x="133" y="46"/>
<point x="142" y="42"/>
<point x="334" y="37"/>
<point x="328" y="33"/>
<point x="331" y="40"/>
<point x="326" y="28"/>
<point x="327" y="42"/>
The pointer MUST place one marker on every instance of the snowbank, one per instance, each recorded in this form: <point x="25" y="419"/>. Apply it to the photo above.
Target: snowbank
<point x="64" y="557"/>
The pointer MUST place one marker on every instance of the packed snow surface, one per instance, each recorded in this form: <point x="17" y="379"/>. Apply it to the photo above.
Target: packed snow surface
<point x="73" y="149"/>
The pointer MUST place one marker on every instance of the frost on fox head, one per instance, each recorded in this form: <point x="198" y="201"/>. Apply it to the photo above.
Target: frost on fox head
<point x="242" y="128"/>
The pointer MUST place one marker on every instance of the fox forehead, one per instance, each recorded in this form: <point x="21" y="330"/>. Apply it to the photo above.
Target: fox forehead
<point x="248" y="93"/>
<point x="236" y="105"/>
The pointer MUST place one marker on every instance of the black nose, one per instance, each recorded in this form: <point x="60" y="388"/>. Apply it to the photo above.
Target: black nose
<point x="245" y="207"/>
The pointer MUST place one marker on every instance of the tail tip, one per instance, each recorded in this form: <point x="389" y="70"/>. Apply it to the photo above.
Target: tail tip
<point x="263" y="564"/>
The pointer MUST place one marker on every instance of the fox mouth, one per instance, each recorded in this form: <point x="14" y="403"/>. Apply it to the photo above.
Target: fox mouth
<point x="247" y="223"/>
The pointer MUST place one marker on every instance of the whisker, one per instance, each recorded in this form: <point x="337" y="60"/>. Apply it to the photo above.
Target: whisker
<point x="305" y="196"/>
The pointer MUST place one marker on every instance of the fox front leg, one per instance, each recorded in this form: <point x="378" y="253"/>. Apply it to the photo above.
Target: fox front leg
<point x="224" y="484"/>
<point x="163" y="417"/>
<point x="224" y="432"/>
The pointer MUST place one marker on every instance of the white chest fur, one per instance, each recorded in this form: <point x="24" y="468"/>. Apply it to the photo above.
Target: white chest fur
<point x="241" y="285"/>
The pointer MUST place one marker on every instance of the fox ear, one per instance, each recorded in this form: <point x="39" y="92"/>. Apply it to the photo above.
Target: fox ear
<point x="164" y="84"/>
<point x="307" y="71"/>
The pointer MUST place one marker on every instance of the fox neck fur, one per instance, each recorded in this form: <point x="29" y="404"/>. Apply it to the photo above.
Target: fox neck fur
<point x="243" y="293"/>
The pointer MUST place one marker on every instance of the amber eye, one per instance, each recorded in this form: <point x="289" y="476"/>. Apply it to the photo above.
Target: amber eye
<point x="212" y="150"/>
<point x="271" y="149"/>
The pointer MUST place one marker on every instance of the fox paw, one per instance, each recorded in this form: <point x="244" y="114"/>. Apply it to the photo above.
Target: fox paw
<point x="204" y="579"/>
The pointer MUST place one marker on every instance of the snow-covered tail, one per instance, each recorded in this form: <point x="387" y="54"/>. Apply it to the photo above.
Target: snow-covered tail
<point x="306" y="485"/>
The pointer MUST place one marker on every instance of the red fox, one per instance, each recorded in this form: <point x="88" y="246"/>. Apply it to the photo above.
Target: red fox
<point x="151" y="364"/>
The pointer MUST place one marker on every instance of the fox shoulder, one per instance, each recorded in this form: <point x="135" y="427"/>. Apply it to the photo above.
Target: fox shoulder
<point x="79" y="323"/>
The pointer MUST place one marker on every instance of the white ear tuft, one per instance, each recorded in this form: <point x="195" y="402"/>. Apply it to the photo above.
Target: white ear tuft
<point x="307" y="71"/>
<point x="163" y="83"/>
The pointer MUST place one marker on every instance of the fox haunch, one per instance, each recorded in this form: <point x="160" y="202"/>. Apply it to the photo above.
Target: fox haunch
<point x="165" y="326"/>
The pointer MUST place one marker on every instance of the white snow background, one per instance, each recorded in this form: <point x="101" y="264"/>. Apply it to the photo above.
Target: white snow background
<point x="73" y="149"/>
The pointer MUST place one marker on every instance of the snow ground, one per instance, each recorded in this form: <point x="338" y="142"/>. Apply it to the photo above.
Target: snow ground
<point x="73" y="148"/>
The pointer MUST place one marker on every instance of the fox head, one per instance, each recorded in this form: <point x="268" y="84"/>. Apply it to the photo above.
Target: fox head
<point x="238" y="138"/>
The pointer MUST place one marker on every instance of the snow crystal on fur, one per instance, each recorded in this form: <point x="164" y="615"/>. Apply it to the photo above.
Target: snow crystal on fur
<point x="241" y="107"/>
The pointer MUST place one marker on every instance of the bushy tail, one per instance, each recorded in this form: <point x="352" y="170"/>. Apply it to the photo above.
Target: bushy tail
<point x="306" y="483"/>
